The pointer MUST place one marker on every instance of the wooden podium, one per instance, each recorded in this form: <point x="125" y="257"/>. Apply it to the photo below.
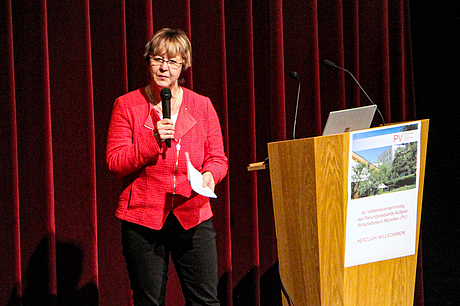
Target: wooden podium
<point x="309" y="188"/>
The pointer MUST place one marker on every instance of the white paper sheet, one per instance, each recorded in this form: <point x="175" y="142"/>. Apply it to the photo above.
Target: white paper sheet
<point x="196" y="180"/>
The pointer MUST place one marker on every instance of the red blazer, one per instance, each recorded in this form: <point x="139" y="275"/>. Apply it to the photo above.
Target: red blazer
<point x="155" y="178"/>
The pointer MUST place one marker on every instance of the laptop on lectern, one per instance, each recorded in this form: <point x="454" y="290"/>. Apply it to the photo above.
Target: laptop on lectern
<point x="349" y="120"/>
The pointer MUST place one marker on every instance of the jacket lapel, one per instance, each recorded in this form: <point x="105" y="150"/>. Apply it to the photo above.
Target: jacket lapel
<point x="185" y="120"/>
<point x="152" y="118"/>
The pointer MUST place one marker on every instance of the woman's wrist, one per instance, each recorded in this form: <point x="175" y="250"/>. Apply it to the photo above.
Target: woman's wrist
<point x="157" y="137"/>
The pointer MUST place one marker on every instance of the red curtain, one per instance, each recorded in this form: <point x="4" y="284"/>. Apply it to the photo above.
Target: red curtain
<point x="64" y="64"/>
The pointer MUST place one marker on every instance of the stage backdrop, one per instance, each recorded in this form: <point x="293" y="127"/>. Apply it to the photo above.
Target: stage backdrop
<point x="63" y="63"/>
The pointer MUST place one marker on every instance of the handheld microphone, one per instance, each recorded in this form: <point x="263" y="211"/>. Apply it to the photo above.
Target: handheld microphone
<point x="165" y="94"/>
<point x="328" y="63"/>
<point x="295" y="76"/>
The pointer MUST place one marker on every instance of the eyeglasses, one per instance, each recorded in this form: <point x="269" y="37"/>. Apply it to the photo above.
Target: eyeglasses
<point x="158" y="61"/>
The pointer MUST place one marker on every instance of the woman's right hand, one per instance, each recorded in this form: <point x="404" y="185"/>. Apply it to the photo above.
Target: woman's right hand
<point x="164" y="130"/>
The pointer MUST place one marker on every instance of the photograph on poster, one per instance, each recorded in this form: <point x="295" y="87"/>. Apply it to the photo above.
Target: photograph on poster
<point x="380" y="170"/>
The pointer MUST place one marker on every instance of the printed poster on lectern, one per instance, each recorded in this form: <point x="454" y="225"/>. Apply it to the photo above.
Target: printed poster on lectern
<point x="383" y="181"/>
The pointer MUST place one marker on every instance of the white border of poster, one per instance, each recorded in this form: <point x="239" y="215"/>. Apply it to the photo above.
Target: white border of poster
<point x="383" y="182"/>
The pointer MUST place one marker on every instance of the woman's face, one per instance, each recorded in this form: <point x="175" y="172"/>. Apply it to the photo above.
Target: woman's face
<point x="165" y="71"/>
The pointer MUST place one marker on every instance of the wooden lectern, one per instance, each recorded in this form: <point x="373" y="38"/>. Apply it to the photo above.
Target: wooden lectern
<point x="309" y="188"/>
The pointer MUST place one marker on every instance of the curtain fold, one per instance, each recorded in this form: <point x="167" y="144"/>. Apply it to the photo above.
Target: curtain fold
<point x="65" y="64"/>
<point x="241" y="114"/>
<point x="9" y="161"/>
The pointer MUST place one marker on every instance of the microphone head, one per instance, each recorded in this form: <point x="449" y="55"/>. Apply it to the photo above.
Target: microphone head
<point x="294" y="75"/>
<point x="165" y="94"/>
<point x="328" y="63"/>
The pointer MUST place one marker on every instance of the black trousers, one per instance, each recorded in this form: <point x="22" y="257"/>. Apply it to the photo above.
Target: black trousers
<point x="194" y="255"/>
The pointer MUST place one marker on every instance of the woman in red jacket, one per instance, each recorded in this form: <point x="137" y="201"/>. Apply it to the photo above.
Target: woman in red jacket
<point x="161" y="214"/>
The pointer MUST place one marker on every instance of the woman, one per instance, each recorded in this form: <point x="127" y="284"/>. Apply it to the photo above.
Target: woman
<point x="161" y="214"/>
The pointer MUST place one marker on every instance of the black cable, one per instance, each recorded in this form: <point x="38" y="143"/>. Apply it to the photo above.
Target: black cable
<point x="283" y="289"/>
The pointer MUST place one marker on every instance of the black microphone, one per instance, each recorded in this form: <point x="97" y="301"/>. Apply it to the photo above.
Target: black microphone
<point x="295" y="76"/>
<point x="165" y="94"/>
<point x="328" y="63"/>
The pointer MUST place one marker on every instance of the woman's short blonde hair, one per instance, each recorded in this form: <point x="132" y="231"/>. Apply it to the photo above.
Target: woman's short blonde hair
<point x="173" y="42"/>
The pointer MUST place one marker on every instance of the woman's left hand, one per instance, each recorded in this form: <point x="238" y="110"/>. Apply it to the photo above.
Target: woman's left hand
<point x="208" y="180"/>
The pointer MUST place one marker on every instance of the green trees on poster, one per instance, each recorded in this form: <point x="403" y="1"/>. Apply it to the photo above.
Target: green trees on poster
<point x="372" y="179"/>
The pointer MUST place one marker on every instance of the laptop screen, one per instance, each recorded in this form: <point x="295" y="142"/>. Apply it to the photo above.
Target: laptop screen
<point x="349" y="120"/>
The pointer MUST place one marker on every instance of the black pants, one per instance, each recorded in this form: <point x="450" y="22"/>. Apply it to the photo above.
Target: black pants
<point x="193" y="253"/>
